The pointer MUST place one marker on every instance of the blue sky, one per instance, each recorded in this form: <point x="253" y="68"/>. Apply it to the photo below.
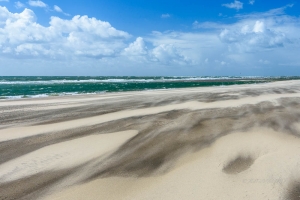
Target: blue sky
<point x="133" y="37"/>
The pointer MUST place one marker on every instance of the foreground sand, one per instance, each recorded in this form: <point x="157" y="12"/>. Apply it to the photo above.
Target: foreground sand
<point x="236" y="142"/>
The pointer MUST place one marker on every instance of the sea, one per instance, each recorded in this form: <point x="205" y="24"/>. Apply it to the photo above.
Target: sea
<point x="15" y="87"/>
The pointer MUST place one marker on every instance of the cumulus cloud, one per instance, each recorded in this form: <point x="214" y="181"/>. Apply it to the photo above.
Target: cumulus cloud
<point x="251" y="2"/>
<point x="18" y="4"/>
<point x="168" y="54"/>
<point x="266" y="36"/>
<point x="37" y="3"/>
<point x="181" y="49"/>
<point x="234" y="5"/>
<point x="163" y="52"/>
<point x="81" y="36"/>
<point x="254" y="35"/>
<point x="270" y="36"/>
<point x="257" y="31"/>
<point x="138" y="47"/>
<point x="137" y="51"/>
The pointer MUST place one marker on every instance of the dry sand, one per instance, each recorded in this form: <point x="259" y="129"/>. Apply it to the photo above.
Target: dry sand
<point x="235" y="142"/>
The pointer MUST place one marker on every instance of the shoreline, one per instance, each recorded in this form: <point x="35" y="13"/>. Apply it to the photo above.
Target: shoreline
<point x="232" y="142"/>
<point x="207" y="82"/>
<point x="145" y="90"/>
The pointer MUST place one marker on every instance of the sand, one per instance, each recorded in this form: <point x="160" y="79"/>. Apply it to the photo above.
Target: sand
<point x="233" y="142"/>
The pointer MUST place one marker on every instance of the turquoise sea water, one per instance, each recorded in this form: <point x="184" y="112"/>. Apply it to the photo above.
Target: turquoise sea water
<point x="42" y="86"/>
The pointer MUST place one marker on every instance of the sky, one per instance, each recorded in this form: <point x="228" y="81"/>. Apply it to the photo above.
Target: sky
<point x="150" y="38"/>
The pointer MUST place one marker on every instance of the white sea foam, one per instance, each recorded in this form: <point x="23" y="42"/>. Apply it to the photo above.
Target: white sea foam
<point x="162" y="79"/>
<point x="47" y="95"/>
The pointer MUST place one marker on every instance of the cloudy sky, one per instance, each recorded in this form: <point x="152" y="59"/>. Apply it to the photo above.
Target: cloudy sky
<point x="150" y="37"/>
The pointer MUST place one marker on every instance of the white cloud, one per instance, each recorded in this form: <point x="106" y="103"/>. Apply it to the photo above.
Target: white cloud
<point x="138" y="47"/>
<point x="37" y="3"/>
<point x="256" y="35"/>
<point x="259" y="27"/>
<point x="256" y="41"/>
<point x="271" y="13"/>
<point x="235" y="5"/>
<point x="181" y="49"/>
<point x="165" y="15"/>
<point x="272" y="35"/>
<point x="168" y="53"/>
<point x="137" y="51"/>
<point x="18" y="4"/>
<point x="208" y="25"/>
<point x="251" y="2"/>
<point x="258" y="31"/>
<point x="163" y="51"/>
<point x="58" y="9"/>
<point x="81" y="36"/>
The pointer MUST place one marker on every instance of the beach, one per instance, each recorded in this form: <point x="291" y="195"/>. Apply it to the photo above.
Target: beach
<point x="222" y="142"/>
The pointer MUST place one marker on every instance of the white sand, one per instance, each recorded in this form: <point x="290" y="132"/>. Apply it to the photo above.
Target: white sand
<point x="63" y="155"/>
<point x="201" y="176"/>
<point x="257" y="160"/>
<point x="20" y="132"/>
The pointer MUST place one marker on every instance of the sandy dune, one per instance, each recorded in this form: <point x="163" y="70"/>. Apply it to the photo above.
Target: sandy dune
<point x="236" y="142"/>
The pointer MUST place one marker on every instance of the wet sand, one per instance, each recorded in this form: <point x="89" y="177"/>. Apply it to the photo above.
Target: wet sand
<point x="233" y="142"/>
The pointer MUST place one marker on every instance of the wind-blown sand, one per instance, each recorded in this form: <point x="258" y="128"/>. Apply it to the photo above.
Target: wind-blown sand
<point x="235" y="142"/>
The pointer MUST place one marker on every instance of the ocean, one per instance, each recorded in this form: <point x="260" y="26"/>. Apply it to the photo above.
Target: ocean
<point x="12" y="87"/>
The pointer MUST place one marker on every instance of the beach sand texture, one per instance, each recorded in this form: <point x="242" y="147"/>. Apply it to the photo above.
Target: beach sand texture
<point x="233" y="142"/>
